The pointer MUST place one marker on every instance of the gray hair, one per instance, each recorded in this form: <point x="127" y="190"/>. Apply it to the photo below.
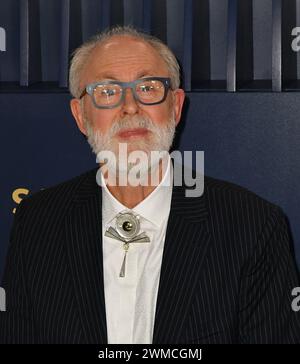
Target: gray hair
<point x="81" y="55"/>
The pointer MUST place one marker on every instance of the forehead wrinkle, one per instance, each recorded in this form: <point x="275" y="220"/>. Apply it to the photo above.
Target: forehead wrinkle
<point x="114" y="77"/>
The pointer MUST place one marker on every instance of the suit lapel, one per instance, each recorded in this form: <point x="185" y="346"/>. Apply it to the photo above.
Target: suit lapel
<point x="186" y="244"/>
<point x="83" y="226"/>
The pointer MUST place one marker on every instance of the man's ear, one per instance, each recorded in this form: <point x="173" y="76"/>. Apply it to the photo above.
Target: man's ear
<point x="179" y="97"/>
<point x="77" y="112"/>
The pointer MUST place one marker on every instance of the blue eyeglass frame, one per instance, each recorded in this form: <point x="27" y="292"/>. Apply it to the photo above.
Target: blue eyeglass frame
<point x="90" y="90"/>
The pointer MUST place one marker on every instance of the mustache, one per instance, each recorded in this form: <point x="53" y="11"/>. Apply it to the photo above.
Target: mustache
<point x="131" y="123"/>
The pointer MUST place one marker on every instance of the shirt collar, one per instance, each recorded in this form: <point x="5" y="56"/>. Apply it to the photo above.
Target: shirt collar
<point x="155" y="207"/>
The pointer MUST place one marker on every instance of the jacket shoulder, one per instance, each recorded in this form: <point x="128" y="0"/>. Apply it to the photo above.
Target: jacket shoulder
<point x="56" y="199"/>
<point x="232" y="205"/>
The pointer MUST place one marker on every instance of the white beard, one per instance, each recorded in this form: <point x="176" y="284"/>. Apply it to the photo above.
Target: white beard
<point x="159" y="139"/>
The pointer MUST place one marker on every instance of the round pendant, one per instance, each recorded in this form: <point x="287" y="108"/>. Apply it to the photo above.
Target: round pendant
<point x="127" y="225"/>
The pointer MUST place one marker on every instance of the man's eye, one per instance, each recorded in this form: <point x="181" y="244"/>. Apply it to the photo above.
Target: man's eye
<point x="146" y="88"/>
<point x="108" y="92"/>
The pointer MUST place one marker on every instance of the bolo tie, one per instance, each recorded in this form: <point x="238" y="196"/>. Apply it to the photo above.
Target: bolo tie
<point x="127" y="228"/>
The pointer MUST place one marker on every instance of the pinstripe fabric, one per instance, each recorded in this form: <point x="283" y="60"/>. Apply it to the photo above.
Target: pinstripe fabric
<point x="226" y="277"/>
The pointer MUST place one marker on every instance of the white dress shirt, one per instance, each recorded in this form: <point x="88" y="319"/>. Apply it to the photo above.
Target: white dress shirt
<point x="130" y="301"/>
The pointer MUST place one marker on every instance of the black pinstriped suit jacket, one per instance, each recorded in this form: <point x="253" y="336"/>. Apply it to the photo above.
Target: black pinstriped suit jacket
<point x="226" y="276"/>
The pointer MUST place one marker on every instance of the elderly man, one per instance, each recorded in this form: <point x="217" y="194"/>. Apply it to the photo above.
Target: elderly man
<point x="143" y="263"/>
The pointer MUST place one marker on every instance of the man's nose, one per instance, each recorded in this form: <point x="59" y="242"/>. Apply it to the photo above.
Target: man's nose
<point x="130" y="105"/>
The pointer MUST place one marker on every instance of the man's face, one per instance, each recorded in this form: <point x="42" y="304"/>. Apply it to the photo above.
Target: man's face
<point x="142" y="127"/>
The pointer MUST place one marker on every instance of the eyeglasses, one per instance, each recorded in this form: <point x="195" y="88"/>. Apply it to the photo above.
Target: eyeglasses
<point x="110" y="94"/>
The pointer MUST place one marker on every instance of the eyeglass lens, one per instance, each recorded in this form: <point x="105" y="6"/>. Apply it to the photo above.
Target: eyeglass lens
<point x="146" y="91"/>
